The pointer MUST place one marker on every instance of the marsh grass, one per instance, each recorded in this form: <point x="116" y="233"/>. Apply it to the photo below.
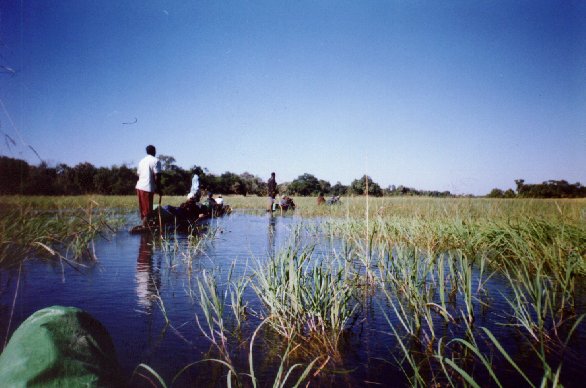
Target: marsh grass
<point x="306" y="298"/>
<point x="430" y="261"/>
<point x="433" y="265"/>
<point x="65" y="233"/>
<point x="214" y="302"/>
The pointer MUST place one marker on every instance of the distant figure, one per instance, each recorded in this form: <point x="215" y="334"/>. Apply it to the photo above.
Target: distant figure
<point x="149" y="175"/>
<point x="286" y="203"/>
<point x="272" y="191"/>
<point x="211" y="202"/>
<point x="320" y="199"/>
<point x="195" y="192"/>
<point x="220" y="200"/>
<point x="334" y="200"/>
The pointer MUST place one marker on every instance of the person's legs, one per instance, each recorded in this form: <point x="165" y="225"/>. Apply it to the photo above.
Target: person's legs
<point x="145" y="204"/>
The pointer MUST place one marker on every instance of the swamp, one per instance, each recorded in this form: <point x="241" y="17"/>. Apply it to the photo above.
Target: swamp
<point x="392" y="291"/>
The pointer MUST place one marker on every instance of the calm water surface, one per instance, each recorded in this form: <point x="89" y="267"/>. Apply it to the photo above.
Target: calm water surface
<point x="121" y="289"/>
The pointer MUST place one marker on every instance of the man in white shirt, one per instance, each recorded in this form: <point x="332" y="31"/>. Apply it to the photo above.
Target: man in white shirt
<point x="149" y="174"/>
<point x="220" y="200"/>
<point x="195" y="191"/>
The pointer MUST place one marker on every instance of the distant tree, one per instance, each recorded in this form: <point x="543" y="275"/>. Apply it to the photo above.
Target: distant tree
<point x="14" y="173"/>
<point x="174" y="179"/>
<point x="41" y="180"/>
<point x="339" y="189"/>
<point x="117" y="180"/>
<point x="390" y="190"/>
<point x="253" y="185"/>
<point x="103" y="181"/>
<point x="496" y="193"/>
<point x="358" y="187"/>
<point x="324" y="186"/>
<point x="283" y="188"/>
<point x="305" y="184"/>
<point x="229" y="183"/>
<point x="83" y="178"/>
<point x="167" y="162"/>
<point x="520" y="186"/>
<point x="509" y="193"/>
<point x="547" y="189"/>
<point x="175" y="182"/>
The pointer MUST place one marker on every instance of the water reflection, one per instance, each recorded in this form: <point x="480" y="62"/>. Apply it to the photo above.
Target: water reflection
<point x="271" y="239"/>
<point x="148" y="280"/>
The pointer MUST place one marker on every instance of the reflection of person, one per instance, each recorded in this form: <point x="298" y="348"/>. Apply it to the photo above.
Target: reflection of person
<point x="149" y="170"/>
<point x="146" y="283"/>
<point x="271" y="239"/>
<point x="272" y="191"/>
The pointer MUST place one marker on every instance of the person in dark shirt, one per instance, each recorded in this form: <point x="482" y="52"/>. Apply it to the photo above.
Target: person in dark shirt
<point x="272" y="191"/>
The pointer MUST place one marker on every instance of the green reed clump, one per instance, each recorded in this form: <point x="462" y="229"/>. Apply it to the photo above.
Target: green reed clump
<point x="305" y="298"/>
<point x="425" y="268"/>
<point x="65" y="233"/>
<point x="236" y="288"/>
<point x="213" y="303"/>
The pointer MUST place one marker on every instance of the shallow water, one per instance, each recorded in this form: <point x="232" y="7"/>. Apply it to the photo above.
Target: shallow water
<point x="121" y="291"/>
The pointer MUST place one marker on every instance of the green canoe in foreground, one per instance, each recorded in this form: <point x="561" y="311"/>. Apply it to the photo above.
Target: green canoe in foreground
<point x="60" y="347"/>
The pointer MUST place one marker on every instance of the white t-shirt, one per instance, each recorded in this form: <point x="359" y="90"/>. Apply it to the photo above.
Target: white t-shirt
<point x="194" y="186"/>
<point x="147" y="168"/>
<point x="220" y="201"/>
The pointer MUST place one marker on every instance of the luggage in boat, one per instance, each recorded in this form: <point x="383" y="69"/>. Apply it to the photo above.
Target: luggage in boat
<point x="182" y="218"/>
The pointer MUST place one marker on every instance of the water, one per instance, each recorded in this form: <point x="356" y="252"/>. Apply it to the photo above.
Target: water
<point x="122" y="292"/>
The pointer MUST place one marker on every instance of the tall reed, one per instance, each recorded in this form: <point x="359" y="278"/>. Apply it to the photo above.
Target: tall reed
<point x="304" y="298"/>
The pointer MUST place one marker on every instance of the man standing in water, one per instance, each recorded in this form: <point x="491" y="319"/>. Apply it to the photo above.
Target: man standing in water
<point x="272" y="189"/>
<point x="149" y="175"/>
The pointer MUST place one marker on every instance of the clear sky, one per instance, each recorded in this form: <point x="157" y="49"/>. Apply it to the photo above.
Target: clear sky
<point x="462" y="96"/>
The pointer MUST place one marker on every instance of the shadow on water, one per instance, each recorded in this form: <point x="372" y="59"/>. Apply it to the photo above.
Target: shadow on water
<point x="137" y="286"/>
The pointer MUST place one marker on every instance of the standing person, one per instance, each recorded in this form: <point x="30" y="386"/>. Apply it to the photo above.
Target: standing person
<point x="272" y="189"/>
<point x="220" y="200"/>
<point x="149" y="176"/>
<point x="195" y="192"/>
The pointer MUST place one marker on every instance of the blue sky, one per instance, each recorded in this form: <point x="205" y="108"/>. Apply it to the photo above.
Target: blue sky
<point x="462" y="96"/>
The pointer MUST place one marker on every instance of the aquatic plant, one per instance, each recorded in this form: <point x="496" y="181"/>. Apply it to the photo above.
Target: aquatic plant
<point x="303" y="297"/>
<point x="61" y="233"/>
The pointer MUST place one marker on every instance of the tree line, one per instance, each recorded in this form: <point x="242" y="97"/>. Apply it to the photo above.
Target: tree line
<point x="547" y="189"/>
<point x="18" y="177"/>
